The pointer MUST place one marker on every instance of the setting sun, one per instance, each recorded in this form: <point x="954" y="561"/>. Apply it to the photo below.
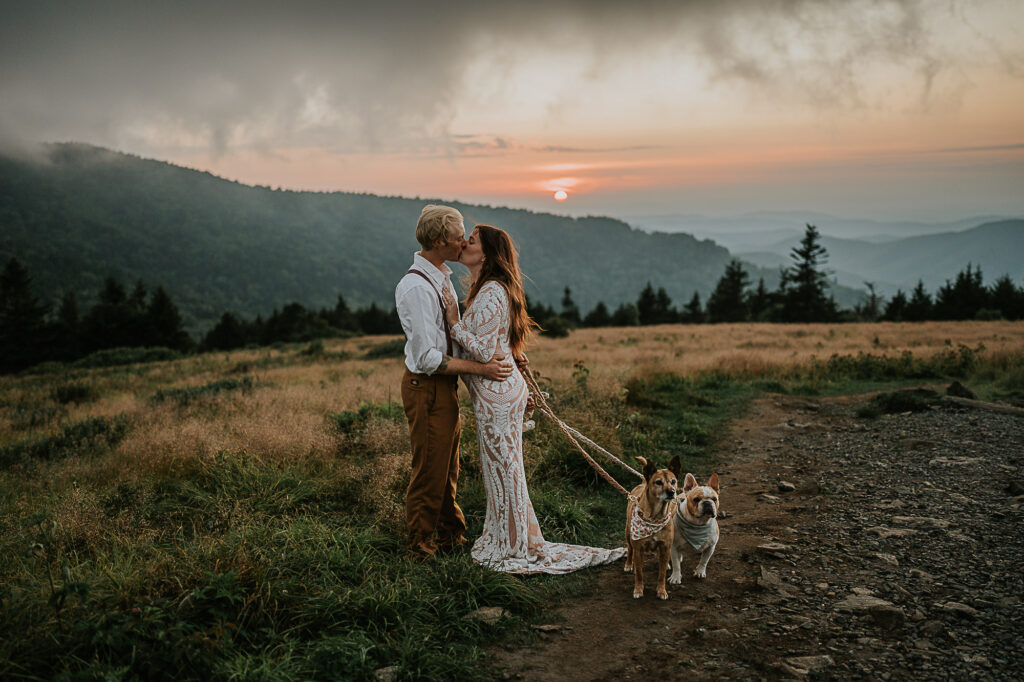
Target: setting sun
<point x="561" y="195"/>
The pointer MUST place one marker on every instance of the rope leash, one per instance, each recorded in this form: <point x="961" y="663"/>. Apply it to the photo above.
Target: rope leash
<point x="572" y="434"/>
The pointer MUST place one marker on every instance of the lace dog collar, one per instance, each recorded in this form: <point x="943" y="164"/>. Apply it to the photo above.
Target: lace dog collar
<point x="640" y="527"/>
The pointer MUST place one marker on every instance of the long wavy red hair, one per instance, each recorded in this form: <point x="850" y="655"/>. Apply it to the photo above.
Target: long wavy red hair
<point x="501" y="264"/>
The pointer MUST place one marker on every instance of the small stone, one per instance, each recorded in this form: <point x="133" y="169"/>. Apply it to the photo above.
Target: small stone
<point x="786" y="487"/>
<point x="1015" y="488"/>
<point x="954" y="461"/>
<point x="920" y="521"/>
<point x="806" y="665"/>
<point x="821" y="586"/>
<point x="884" y="532"/>
<point x="889" y="617"/>
<point x="546" y="628"/>
<point x="922" y="575"/>
<point x="776" y="549"/>
<point x="888" y="559"/>
<point x="958" y="609"/>
<point x="388" y="674"/>
<point x="860" y="603"/>
<point x="958" y="390"/>
<point x="933" y="628"/>
<point x="862" y="591"/>
<point x="770" y="499"/>
<point x="923" y="644"/>
<point x="487" y="614"/>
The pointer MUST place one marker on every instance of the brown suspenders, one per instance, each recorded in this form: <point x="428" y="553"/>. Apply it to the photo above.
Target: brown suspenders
<point x="444" y="318"/>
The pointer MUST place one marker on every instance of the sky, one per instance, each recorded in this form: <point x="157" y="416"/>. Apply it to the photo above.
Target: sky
<point x="906" y="109"/>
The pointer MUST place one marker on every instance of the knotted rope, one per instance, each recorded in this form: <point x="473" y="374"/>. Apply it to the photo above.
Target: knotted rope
<point x="575" y="436"/>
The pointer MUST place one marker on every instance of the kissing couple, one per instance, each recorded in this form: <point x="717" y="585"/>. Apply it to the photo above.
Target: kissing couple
<point x="441" y="346"/>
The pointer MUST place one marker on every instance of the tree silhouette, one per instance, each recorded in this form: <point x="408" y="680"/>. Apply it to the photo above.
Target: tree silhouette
<point x="728" y="302"/>
<point x="570" y="312"/>
<point x="598" y="317"/>
<point x="963" y="298"/>
<point x="896" y="308"/>
<point x="693" y="312"/>
<point x="920" y="306"/>
<point x="22" y="319"/>
<point x="804" y="283"/>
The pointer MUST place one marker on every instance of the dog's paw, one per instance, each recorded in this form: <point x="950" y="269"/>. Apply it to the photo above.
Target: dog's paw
<point x="676" y="578"/>
<point x="662" y="593"/>
<point x="637" y="594"/>
<point x="700" y="574"/>
<point x="628" y="568"/>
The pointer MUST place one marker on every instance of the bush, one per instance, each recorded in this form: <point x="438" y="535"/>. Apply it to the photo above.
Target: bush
<point x="351" y="421"/>
<point x="74" y="393"/>
<point x="388" y="349"/>
<point x="555" y="327"/>
<point x="89" y="436"/>
<point x="184" y="396"/>
<point x="114" y="357"/>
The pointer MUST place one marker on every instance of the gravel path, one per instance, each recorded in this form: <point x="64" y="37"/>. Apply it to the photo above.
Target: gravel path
<point x="851" y="549"/>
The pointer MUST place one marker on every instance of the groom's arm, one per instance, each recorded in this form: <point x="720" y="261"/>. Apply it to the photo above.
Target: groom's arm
<point x="498" y="369"/>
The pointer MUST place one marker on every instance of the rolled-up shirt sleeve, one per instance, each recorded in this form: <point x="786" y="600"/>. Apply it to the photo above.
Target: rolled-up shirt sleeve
<point x="416" y="312"/>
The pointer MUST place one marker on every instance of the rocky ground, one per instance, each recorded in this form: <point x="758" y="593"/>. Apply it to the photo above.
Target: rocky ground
<point x="851" y="548"/>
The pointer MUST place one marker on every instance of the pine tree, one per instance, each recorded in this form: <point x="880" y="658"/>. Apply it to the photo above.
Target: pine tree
<point x="163" y="323"/>
<point x="22" y="319"/>
<point x="570" y="312"/>
<point x="920" y="306"/>
<point x="963" y="298"/>
<point x="693" y="312"/>
<point x="1007" y="298"/>
<point x="626" y="315"/>
<point x="804" y="283"/>
<point x="896" y="308"/>
<point x="759" y="303"/>
<point x="647" y="305"/>
<point x="228" y="334"/>
<point x="598" y="317"/>
<point x="727" y="303"/>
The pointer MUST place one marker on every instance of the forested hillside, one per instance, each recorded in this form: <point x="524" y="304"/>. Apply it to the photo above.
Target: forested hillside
<point x="76" y="214"/>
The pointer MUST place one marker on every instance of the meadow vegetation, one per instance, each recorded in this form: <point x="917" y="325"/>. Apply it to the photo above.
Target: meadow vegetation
<point x="239" y="515"/>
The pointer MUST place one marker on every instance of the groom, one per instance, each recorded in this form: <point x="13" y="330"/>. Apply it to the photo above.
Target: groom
<point x="430" y="383"/>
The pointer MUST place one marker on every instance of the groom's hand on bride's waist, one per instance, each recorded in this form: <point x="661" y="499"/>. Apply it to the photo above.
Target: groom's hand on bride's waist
<point x="498" y="369"/>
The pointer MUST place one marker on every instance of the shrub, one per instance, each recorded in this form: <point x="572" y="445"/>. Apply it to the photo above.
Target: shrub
<point x="89" y="436"/>
<point x="113" y="357"/>
<point x="394" y="348"/>
<point x="188" y="394"/>
<point x="74" y="393"/>
<point x="555" y="327"/>
<point x="351" y="421"/>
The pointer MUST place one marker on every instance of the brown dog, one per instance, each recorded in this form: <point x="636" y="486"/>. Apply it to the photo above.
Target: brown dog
<point x="649" y="522"/>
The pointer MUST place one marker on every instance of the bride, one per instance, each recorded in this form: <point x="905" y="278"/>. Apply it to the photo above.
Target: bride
<point x="496" y="320"/>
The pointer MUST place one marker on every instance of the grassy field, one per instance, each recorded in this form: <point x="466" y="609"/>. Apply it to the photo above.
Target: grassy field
<point x="239" y="515"/>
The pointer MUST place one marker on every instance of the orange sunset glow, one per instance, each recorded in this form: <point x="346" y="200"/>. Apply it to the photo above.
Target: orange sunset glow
<point x="896" y="109"/>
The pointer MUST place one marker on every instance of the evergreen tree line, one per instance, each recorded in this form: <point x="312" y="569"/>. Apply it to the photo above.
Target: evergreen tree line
<point x="802" y="296"/>
<point x="32" y="332"/>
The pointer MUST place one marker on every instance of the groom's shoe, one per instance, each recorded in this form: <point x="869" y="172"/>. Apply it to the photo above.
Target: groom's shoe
<point x="424" y="549"/>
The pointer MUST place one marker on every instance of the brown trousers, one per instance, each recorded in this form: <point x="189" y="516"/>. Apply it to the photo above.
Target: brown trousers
<point x="432" y="408"/>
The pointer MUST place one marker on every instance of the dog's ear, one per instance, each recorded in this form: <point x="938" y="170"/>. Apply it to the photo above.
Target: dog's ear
<point x="648" y="467"/>
<point x="690" y="483"/>
<point x="675" y="466"/>
<point x="713" y="482"/>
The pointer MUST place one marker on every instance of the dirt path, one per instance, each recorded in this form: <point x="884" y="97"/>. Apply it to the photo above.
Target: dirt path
<point x="896" y="556"/>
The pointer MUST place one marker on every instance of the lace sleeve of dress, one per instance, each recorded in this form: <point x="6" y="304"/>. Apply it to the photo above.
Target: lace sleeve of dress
<point x="478" y="331"/>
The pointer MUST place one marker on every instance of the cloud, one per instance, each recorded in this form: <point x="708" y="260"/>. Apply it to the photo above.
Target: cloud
<point x="391" y="76"/>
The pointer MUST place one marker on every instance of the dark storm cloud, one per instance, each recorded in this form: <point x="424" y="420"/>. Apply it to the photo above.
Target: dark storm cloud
<point x="388" y="76"/>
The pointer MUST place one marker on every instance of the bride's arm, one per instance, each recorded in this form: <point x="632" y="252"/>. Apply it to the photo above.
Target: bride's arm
<point x="484" y="319"/>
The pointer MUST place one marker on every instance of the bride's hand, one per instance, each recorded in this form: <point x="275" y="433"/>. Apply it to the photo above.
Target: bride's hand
<point x="451" y="306"/>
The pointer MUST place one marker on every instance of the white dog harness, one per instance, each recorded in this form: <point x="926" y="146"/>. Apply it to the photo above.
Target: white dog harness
<point x="640" y="528"/>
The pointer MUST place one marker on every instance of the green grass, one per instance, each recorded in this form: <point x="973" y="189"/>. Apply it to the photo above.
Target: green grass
<point x="237" y="566"/>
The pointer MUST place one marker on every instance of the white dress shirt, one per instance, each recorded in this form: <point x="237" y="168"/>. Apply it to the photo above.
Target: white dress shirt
<point x="421" y="316"/>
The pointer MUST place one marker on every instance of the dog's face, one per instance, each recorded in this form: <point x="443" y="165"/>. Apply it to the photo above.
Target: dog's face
<point x="662" y="484"/>
<point x="701" y="500"/>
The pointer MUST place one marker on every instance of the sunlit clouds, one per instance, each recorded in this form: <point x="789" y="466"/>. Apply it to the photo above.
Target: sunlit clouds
<point x="881" y="108"/>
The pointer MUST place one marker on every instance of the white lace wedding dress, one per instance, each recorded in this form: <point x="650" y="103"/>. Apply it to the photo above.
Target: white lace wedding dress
<point x="511" y="539"/>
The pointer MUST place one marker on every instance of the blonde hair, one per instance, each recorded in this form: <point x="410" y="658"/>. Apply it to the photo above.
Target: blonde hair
<point x="436" y="222"/>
